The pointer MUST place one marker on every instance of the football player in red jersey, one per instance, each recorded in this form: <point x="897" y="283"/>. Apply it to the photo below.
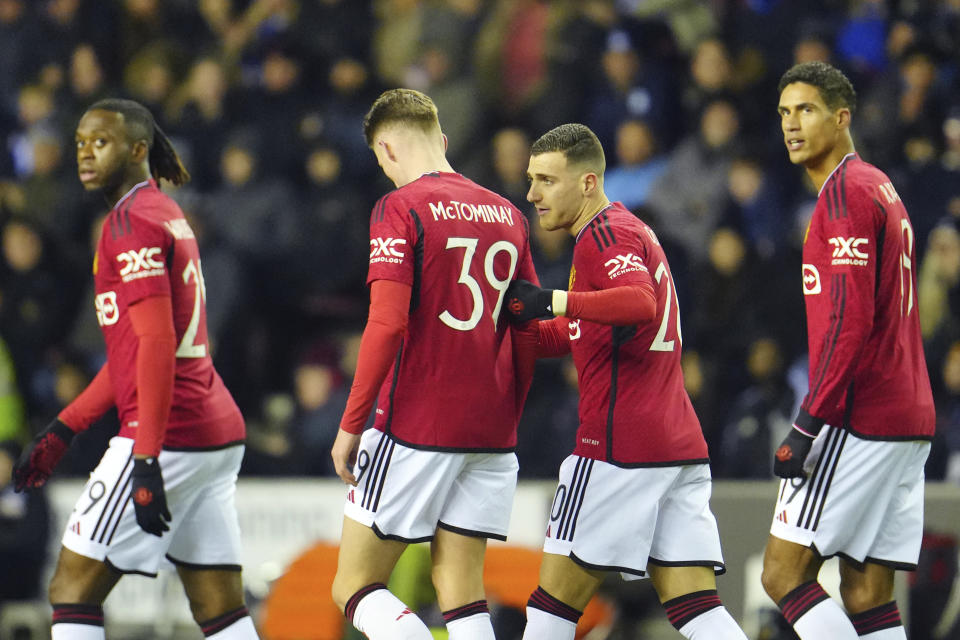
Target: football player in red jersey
<point x="180" y="443"/>
<point x="634" y="496"/>
<point x="438" y="463"/>
<point x="852" y="466"/>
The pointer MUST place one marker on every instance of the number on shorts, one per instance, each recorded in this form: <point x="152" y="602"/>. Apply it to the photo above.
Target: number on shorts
<point x="363" y="461"/>
<point x="95" y="496"/>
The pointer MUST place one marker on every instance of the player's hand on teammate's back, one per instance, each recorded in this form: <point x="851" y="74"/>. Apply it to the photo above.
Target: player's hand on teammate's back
<point x="791" y="454"/>
<point x="526" y="301"/>
<point x="344" y="454"/>
<point x="38" y="460"/>
<point x="149" y="498"/>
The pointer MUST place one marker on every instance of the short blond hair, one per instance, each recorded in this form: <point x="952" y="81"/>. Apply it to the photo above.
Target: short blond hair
<point x="407" y="107"/>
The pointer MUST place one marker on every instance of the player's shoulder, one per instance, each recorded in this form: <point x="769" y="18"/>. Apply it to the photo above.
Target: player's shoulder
<point x="857" y="178"/>
<point x="611" y="226"/>
<point x="143" y="211"/>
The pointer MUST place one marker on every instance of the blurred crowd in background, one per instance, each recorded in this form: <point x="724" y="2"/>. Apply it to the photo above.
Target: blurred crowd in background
<point x="264" y="101"/>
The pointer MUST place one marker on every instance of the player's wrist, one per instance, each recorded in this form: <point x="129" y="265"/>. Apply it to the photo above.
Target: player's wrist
<point x="61" y="430"/>
<point x="559" y="302"/>
<point x="807" y="424"/>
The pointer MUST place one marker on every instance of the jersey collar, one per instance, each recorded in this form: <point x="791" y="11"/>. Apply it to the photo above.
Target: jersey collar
<point x="852" y="154"/>
<point x="134" y="188"/>
<point x="592" y="218"/>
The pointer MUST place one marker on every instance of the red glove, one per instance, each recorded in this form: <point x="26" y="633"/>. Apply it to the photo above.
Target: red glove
<point x="38" y="460"/>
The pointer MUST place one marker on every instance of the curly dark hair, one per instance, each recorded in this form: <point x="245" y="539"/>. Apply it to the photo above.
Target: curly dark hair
<point x="835" y="88"/>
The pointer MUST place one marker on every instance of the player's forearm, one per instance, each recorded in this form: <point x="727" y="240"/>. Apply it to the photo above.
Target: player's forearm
<point x="91" y="404"/>
<point x="152" y="320"/>
<point x="381" y="339"/>
<point x="629" y="305"/>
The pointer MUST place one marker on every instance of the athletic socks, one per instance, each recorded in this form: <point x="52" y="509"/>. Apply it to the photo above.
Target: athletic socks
<point x="700" y="615"/>
<point x="880" y="623"/>
<point x="549" y="619"/>
<point x="232" y="625"/>
<point x="77" y="622"/>
<point x="469" y="622"/>
<point x="814" y="615"/>
<point x="375" y="611"/>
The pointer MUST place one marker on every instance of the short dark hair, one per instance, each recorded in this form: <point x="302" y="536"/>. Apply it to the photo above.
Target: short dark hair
<point x="578" y="144"/>
<point x="406" y="106"/>
<point x="835" y="88"/>
<point x="140" y="125"/>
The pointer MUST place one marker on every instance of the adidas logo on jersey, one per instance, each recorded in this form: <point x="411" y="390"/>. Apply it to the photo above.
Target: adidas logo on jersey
<point x="140" y="263"/>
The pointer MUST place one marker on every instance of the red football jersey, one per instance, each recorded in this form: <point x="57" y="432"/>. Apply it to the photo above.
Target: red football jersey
<point x="867" y="369"/>
<point x="147" y="249"/>
<point x="458" y="245"/>
<point x="634" y="409"/>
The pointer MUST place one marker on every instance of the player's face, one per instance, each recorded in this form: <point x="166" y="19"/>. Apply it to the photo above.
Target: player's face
<point x="103" y="150"/>
<point x="810" y="129"/>
<point x="555" y="190"/>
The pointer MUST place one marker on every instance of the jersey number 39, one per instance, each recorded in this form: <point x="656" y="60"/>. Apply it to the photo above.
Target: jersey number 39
<point x="469" y="245"/>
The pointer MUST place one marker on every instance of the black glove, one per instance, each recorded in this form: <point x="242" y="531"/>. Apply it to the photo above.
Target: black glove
<point x="38" y="460"/>
<point x="149" y="499"/>
<point x="788" y="462"/>
<point x="526" y="301"/>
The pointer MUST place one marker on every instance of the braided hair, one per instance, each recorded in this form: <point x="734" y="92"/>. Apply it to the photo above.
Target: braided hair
<point x="140" y="125"/>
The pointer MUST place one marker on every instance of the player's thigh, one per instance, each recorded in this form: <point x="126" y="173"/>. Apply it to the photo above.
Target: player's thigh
<point x="481" y="499"/>
<point x="787" y="565"/>
<point x="211" y="592"/>
<point x="568" y="581"/>
<point x="865" y="586"/>
<point x="457" y="570"/>
<point x="78" y="579"/>
<point x="208" y="534"/>
<point x="686" y="532"/>
<point x="673" y="582"/>
<point x="364" y="559"/>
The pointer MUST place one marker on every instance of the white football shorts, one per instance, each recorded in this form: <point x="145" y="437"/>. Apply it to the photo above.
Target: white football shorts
<point x="406" y="494"/>
<point x="862" y="500"/>
<point x="200" y="488"/>
<point x="613" y="518"/>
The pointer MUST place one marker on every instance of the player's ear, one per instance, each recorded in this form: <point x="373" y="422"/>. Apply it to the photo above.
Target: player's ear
<point x="387" y="149"/>
<point x="445" y="143"/>
<point x="843" y="118"/>
<point x="590" y="182"/>
<point x="139" y="151"/>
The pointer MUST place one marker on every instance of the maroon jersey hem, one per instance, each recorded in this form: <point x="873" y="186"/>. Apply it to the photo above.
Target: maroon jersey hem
<point x="212" y="447"/>
<point x="443" y="449"/>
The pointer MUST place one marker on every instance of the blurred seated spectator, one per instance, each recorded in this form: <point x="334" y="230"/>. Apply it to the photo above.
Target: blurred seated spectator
<point x="756" y="205"/>
<point x="944" y="460"/>
<point x="634" y="86"/>
<point x="687" y="200"/>
<point x="638" y="165"/>
<point x="760" y="417"/>
<point x="320" y="394"/>
<point x="505" y="169"/>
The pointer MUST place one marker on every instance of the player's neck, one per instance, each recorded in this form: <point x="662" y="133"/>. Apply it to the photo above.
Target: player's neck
<point x="820" y="172"/>
<point x="421" y="164"/>
<point x="591" y="207"/>
<point x="130" y="180"/>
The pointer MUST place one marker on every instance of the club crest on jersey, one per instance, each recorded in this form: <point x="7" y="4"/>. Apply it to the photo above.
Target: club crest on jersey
<point x="622" y="264"/>
<point x="387" y="250"/>
<point x="107" y="310"/>
<point x="848" y="251"/>
<point x="811" y="280"/>
<point x="140" y="263"/>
